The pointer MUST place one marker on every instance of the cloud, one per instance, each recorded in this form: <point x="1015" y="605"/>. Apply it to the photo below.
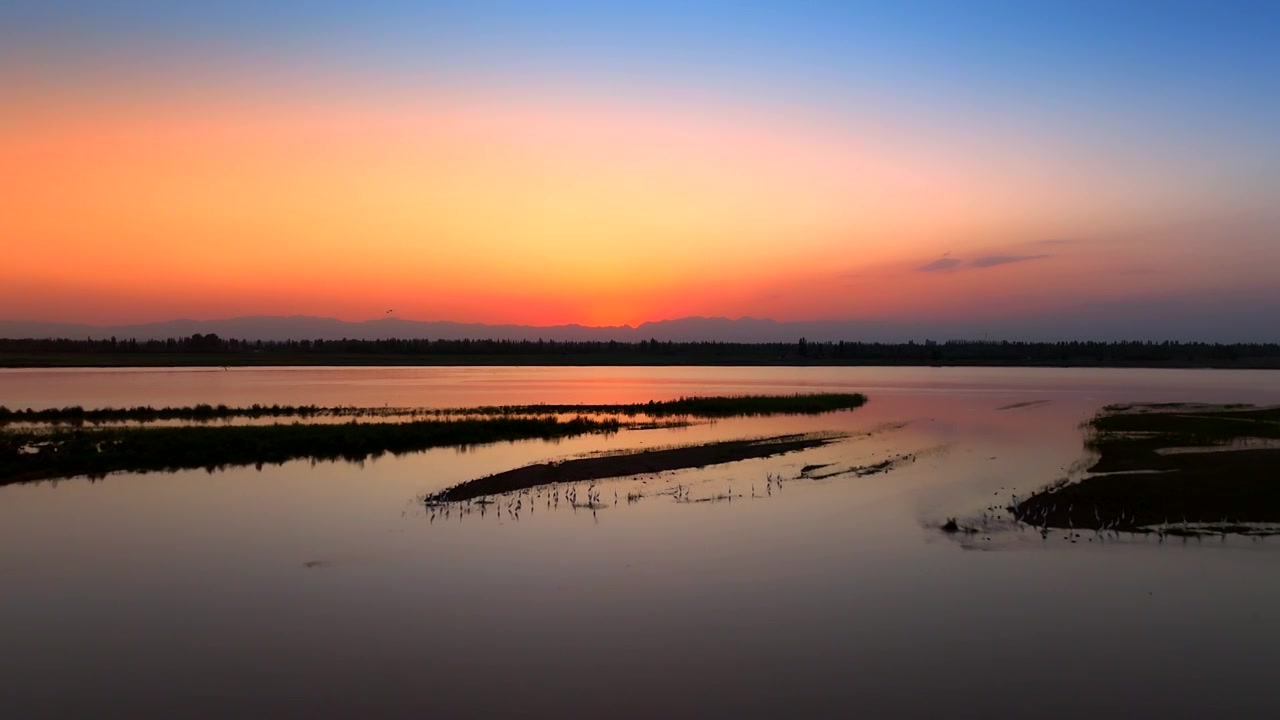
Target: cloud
<point x="942" y="263"/>
<point x="1053" y="241"/>
<point x="994" y="260"/>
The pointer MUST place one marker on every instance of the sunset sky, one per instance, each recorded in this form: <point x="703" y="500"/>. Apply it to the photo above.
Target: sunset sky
<point x="599" y="163"/>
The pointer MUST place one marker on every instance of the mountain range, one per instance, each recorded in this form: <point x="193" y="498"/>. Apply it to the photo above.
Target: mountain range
<point x="1190" y="319"/>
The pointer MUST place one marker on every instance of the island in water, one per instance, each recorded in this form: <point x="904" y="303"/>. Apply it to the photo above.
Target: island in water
<point x="1169" y="469"/>
<point x="69" y="442"/>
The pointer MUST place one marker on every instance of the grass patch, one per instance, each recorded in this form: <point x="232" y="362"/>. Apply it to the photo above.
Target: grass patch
<point x="66" y="452"/>
<point x="1213" y="481"/>
<point x="1176" y="425"/>
<point x="65" y="447"/>
<point x="699" y="407"/>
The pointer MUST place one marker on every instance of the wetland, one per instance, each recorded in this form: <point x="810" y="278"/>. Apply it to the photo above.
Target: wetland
<point x="807" y="582"/>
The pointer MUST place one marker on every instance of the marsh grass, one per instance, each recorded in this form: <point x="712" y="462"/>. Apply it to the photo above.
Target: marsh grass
<point x="1214" y="476"/>
<point x="1180" y="425"/>
<point x="66" y="452"/>
<point x="57" y="443"/>
<point x="697" y="407"/>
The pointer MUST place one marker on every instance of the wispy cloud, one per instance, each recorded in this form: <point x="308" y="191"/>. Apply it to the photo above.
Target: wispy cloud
<point x="942" y="263"/>
<point x="946" y="263"/>
<point x="994" y="260"/>
<point x="1053" y="241"/>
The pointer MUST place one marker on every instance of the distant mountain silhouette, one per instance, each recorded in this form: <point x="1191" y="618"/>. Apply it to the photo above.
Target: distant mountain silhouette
<point x="1186" y="317"/>
<point x="302" y="327"/>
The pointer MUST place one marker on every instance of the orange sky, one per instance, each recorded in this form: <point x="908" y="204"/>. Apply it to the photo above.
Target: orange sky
<point x="555" y="209"/>
<point x="599" y="163"/>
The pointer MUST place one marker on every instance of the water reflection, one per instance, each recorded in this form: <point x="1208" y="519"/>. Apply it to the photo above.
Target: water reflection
<point x="323" y="589"/>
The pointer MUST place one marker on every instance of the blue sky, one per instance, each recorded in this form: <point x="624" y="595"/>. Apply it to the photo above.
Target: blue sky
<point x="1145" y="128"/>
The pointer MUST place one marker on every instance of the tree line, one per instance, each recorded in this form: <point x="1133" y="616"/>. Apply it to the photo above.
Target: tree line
<point x="652" y="351"/>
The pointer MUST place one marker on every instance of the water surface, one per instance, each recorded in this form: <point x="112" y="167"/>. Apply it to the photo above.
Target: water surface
<point x="312" y="590"/>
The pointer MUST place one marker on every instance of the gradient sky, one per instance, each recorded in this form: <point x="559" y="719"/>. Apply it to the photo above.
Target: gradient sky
<point x="601" y="163"/>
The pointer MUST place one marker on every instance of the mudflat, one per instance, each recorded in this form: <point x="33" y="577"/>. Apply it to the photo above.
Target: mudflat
<point x="638" y="462"/>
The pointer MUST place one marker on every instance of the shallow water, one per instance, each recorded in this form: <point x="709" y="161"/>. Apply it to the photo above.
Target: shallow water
<point x="327" y="590"/>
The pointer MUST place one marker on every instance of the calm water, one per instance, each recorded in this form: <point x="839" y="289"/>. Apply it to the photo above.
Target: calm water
<point x="327" y="590"/>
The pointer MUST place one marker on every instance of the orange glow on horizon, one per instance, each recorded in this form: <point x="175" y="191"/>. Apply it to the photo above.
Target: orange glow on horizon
<point x="505" y="212"/>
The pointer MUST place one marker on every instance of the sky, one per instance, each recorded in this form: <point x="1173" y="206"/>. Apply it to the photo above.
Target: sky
<point x="615" y="163"/>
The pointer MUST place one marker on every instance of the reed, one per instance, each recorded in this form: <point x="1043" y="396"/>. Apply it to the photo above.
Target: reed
<point x="696" y="406"/>
<point x="66" y="452"/>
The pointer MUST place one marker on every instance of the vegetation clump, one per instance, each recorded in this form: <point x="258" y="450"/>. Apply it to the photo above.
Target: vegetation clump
<point x="56" y="443"/>
<point x="1161" y="468"/>
<point x="953" y="526"/>
<point x="27" y="455"/>
<point x="696" y="406"/>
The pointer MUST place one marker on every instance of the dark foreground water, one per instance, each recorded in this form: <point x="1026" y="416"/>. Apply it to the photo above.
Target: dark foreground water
<point x="327" y="590"/>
